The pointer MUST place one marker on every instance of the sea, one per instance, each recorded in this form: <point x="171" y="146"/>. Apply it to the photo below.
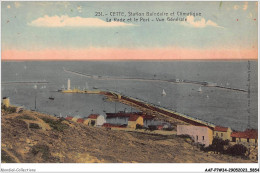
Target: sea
<point x="218" y="106"/>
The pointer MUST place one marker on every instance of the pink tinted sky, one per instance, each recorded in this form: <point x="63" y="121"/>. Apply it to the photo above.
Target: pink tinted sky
<point x="130" y="54"/>
<point x="71" y="31"/>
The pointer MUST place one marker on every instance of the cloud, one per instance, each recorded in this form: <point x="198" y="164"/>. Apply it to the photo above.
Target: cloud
<point x="8" y="6"/>
<point x="245" y="6"/>
<point x="202" y="23"/>
<point x="17" y="4"/>
<point x="66" y="21"/>
<point x="236" y="7"/>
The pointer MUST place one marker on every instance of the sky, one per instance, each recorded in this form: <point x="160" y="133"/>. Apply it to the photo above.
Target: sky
<point x="71" y="31"/>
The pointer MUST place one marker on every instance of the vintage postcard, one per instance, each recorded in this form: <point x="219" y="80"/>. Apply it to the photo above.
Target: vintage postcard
<point x="129" y="82"/>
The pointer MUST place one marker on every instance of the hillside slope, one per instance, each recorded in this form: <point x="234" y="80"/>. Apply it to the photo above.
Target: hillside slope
<point x="31" y="137"/>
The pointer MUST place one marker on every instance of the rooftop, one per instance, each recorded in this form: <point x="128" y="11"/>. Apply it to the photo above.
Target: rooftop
<point x="221" y="129"/>
<point x="123" y="114"/>
<point x="80" y="120"/>
<point x="148" y="117"/>
<point x="249" y="133"/>
<point x="68" y="118"/>
<point x="133" y="117"/>
<point x="93" y="116"/>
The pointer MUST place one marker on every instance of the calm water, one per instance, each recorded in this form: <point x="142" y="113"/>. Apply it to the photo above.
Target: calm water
<point x="215" y="105"/>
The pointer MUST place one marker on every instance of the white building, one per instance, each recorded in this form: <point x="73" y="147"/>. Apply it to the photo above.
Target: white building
<point x="101" y="120"/>
<point x="200" y="134"/>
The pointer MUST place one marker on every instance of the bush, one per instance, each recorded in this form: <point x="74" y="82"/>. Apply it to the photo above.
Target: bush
<point x="216" y="146"/>
<point x="152" y="127"/>
<point x="184" y="136"/>
<point x="237" y="150"/>
<point x="26" y="117"/>
<point x="40" y="148"/>
<point x="55" y="124"/>
<point x="138" y="126"/>
<point x="9" y="109"/>
<point x="168" y="129"/>
<point x="34" y="126"/>
<point x="5" y="158"/>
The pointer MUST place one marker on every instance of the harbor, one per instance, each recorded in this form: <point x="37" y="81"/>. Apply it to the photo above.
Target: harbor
<point x="112" y="105"/>
<point x="207" y="103"/>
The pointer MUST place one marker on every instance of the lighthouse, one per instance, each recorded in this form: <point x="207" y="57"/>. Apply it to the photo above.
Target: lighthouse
<point x="68" y="84"/>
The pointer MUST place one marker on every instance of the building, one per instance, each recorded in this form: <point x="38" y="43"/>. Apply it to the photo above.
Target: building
<point x="6" y="102"/>
<point x="69" y="118"/>
<point x="101" y="120"/>
<point x="120" y="118"/>
<point x="75" y="119"/>
<point x="91" y="120"/>
<point x="149" y="120"/>
<point x="134" y="120"/>
<point x="160" y="127"/>
<point x="200" y="134"/>
<point x="248" y="138"/>
<point x="117" y="118"/>
<point x="222" y="132"/>
<point x="80" y="120"/>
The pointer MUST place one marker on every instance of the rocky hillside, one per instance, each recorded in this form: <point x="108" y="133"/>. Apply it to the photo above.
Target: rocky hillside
<point x="31" y="137"/>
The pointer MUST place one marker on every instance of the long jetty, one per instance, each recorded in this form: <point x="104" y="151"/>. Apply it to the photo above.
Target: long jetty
<point x="162" y="111"/>
<point x="25" y="82"/>
<point x="176" y="81"/>
<point x="148" y="107"/>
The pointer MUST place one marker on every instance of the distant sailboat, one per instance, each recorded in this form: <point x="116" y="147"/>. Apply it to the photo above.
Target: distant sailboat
<point x="199" y="90"/>
<point x="87" y="87"/>
<point x="51" y="98"/>
<point x="163" y="93"/>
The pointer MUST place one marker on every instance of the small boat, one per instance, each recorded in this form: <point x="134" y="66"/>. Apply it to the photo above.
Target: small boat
<point x="199" y="90"/>
<point x="51" y="98"/>
<point x="163" y="93"/>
